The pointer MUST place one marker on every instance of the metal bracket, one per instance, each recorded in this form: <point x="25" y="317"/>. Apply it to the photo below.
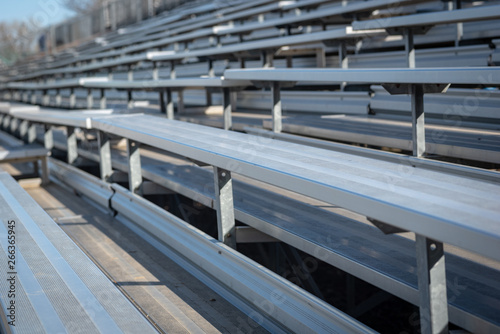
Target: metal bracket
<point x="400" y="89"/>
<point x="151" y="188"/>
<point x="104" y="145"/>
<point x="224" y="206"/>
<point x="384" y="227"/>
<point x="134" y="166"/>
<point x="269" y="84"/>
<point x="227" y="109"/>
<point x="72" y="145"/>
<point x="415" y="30"/>
<point x="247" y="234"/>
<point x="432" y="286"/>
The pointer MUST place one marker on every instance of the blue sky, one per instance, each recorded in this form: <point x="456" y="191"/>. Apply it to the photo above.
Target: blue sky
<point x="44" y="12"/>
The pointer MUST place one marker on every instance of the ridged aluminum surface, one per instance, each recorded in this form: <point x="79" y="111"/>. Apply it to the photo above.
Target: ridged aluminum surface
<point x="66" y="290"/>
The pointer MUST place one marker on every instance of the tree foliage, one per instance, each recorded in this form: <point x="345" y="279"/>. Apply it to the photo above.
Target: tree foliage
<point x="17" y="40"/>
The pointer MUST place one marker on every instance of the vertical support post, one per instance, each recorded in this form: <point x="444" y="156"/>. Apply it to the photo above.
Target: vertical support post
<point x="418" y="120"/>
<point x="289" y="61"/>
<point x="102" y="101"/>
<point x="72" y="145"/>
<point x="130" y="73"/>
<point x="130" y="101"/>
<point x="45" y="170"/>
<point x="163" y="107"/>
<point x="228" y="123"/>
<point x="343" y="61"/>
<point x="276" y="111"/>
<point x="134" y="166"/>
<point x="14" y="126"/>
<point x="409" y="48"/>
<point x="23" y="130"/>
<point x="173" y="75"/>
<point x="58" y="98"/>
<point x="90" y="99"/>
<point x="110" y="71"/>
<point x="45" y="98"/>
<point x="224" y="206"/>
<point x="432" y="286"/>
<point x="320" y="58"/>
<point x="267" y="59"/>
<point x="155" y="70"/>
<point x="48" y="137"/>
<point x="211" y="71"/>
<point x="31" y="133"/>
<point x="170" y="104"/>
<point x="72" y="98"/>
<point x="6" y="122"/>
<point x="180" y="101"/>
<point x="105" y="165"/>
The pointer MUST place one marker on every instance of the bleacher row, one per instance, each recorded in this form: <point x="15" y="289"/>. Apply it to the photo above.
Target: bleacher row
<point x="414" y="76"/>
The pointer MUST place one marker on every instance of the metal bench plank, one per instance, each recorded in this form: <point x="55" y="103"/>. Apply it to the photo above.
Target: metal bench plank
<point x="418" y="200"/>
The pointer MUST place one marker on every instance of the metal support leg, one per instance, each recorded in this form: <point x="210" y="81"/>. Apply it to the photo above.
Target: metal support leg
<point x="277" y="113"/>
<point x="267" y="59"/>
<point x="72" y="98"/>
<point x="14" y="126"/>
<point x="23" y="130"/>
<point x="343" y="61"/>
<point x="211" y="71"/>
<point x="72" y="145"/>
<point x="134" y="166"/>
<point x="90" y="99"/>
<point x="130" y="101"/>
<point x="48" y="137"/>
<point x="228" y="124"/>
<point x="130" y="73"/>
<point x="6" y="122"/>
<point x="104" y="156"/>
<point x="45" y="171"/>
<point x="163" y="107"/>
<point x="432" y="286"/>
<point x="320" y="58"/>
<point x="31" y="133"/>
<point x="33" y="98"/>
<point x="172" y="70"/>
<point x="180" y="101"/>
<point x="418" y="120"/>
<point x="45" y="98"/>
<point x="155" y="70"/>
<point x="170" y="104"/>
<point x="58" y="98"/>
<point x="102" y="101"/>
<point x="409" y="48"/>
<point x="224" y="206"/>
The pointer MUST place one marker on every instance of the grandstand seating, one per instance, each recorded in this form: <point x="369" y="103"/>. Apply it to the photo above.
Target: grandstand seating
<point x="343" y="70"/>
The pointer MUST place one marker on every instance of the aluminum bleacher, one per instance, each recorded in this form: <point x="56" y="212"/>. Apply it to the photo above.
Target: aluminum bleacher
<point x="381" y="164"/>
